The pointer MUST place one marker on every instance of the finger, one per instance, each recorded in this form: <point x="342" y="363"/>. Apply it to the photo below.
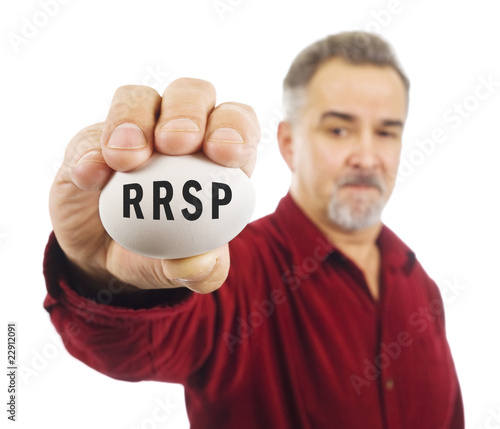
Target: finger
<point x="185" y="106"/>
<point x="91" y="172"/>
<point x="84" y="165"/>
<point x="73" y="210"/>
<point x="128" y="134"/>
<point x="202" y="273"/>
<point x="233" y="133"/>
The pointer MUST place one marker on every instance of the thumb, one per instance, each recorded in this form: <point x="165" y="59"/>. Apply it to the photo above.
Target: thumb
<point x="201" y="273"/>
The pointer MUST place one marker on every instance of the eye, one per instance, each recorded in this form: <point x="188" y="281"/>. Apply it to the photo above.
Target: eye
<point x="387" y="134"/>
<point x="338" y="131"/>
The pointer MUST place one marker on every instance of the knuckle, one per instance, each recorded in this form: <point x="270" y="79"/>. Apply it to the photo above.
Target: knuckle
<point x="191" y="87"/>
<point x="190" y="81"/>
<point x="131" y="98"/>
<point x="241" y="116"/>
<point x="180" y="109"/>
<point x="142" y="90"/>
<point x="244" y="111"/>
<point x="123" y="89"/>
<point x="84" y="141"/>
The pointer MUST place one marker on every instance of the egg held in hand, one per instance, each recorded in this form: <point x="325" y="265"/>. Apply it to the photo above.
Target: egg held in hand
<point x="176" y="206"/>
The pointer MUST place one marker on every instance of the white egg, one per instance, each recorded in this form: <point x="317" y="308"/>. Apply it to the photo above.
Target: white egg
<point x="176" y="206"/>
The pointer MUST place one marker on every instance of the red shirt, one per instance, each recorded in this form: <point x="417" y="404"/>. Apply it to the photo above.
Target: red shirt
<point x="293" y="339"/>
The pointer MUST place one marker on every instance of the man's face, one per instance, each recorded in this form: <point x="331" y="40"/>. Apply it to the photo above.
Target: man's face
<point x="344" y="150"/>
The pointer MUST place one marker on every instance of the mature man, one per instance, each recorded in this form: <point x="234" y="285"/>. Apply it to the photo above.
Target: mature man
<point x="319" y="316"/>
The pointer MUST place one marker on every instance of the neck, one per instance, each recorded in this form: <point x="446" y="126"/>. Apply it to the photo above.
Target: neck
<point x="359" y="246"/>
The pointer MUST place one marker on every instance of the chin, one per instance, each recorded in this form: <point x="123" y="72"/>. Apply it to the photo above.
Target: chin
<point x="355" y="216"/>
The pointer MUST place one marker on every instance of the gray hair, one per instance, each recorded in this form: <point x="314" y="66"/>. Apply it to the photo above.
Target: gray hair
<point x="355" y="47"/>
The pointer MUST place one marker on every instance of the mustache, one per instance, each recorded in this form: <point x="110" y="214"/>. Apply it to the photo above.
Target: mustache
<point x="364" y="178"/>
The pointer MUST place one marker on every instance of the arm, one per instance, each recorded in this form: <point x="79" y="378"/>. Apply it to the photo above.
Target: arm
<point x="124" y="342"/>
<point x="457" y="421"/>
<point x="113" y="308"/>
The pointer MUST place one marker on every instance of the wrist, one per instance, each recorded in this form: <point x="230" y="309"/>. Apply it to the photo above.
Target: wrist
<point x="97" y="284"/>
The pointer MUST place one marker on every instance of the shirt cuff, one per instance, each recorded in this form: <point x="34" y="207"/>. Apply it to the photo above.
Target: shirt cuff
<point x="111" y="301"/>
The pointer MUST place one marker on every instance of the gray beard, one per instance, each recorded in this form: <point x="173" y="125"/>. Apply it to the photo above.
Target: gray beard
<point x="358" y="212"/>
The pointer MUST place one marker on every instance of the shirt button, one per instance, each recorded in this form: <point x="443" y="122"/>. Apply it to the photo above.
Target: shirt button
<point x="389" y="384"/>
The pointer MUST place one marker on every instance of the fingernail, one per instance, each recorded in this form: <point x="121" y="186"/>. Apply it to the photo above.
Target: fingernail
<point x="199" y="276"/>
<point x="181" y="124"/>
<point x="92" y="156"/>
<point x="226" y="135"/>
<point x="127" y="136"/>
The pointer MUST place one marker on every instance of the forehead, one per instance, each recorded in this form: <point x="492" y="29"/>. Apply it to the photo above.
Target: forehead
<point x="357" y="89"/>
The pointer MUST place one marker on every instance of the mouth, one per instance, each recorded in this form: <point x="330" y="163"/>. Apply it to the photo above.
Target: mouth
<point x="361" y="187"/>
<point x="359" y="182"/>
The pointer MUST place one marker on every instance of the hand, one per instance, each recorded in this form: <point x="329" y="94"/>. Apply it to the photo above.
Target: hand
<point x="184" y="120"/>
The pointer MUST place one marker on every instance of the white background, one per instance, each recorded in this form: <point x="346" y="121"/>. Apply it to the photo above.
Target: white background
<point x="62" y="76"/>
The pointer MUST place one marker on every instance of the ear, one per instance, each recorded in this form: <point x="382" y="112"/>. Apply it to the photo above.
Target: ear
<point x="285" y="142"/>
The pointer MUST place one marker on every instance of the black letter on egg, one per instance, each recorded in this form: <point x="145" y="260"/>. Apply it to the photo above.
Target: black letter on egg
<point x="191" y="199"/>
<point x="162" y="201"/>
<point x="128" y="201"/>
<point x="216" y="202"/>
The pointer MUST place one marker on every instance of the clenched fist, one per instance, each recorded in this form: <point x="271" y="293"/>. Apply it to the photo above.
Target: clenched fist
<point x="140" y="122"/>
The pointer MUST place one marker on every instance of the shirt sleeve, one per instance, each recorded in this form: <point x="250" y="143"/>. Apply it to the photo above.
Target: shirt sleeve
<point x="458" y="419"/>
<point x="162" y="335"/>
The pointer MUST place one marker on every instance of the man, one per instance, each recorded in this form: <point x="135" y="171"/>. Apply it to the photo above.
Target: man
<point x="316" y="316"/>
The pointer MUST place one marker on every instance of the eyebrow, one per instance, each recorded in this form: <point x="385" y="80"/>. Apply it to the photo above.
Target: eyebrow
<point x="351" y="118"/>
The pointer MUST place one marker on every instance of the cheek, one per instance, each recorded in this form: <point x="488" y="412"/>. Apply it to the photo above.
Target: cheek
<point x="391" y="164"/>
<point x="333" y="162"/>
<point x="325" y="169"/>
<point x="317" y="162"/>
<point x="305" y="157"/>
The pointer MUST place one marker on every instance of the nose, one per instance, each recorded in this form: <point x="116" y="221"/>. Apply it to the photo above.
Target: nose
<point x="364" y="152"/>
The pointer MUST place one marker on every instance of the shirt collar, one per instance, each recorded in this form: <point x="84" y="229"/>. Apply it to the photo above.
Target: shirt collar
<point x="307" y="241"/>
<point x="394" y="251"/>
